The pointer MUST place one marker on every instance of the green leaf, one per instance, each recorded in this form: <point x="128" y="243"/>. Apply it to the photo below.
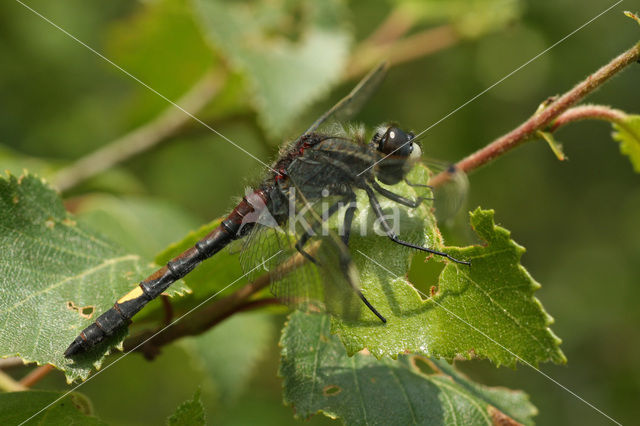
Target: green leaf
<point x="189" y="413"/>
<point x="555" y="146"/>
<point x="319" y="376"/>
<point x="56" y="277"/>
<point x="471" y="18"/>
<point x="290" y="52"/>
<point x="74" y="408"/>
<point x="484" y="310"/>
<point x="229" y="353"/>
<point x="627" y="132"/>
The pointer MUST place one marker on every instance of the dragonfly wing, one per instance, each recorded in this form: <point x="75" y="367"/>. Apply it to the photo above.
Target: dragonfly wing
<point x="348" y="106"/>
<point x="323" y="277"/>
<point x="451" y="196"/>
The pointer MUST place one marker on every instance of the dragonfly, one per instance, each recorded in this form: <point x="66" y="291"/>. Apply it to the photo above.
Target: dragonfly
<point x="325" y="163"/>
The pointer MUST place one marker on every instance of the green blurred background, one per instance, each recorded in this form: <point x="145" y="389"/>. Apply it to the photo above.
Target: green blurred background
<point x="578" y="219"/>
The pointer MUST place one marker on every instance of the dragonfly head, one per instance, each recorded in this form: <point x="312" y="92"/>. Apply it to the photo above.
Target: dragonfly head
<point x="399" y="153"/>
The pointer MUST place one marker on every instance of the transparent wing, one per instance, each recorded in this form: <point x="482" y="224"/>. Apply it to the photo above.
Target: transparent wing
<point x="451" y="194"/>
<point x="328" y="282"/>
<point x="348" y="106"/>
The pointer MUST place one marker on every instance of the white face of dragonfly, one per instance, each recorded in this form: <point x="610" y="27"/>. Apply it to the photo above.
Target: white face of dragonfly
<point x="395" y="142"/>
<point x="416" y="153"/>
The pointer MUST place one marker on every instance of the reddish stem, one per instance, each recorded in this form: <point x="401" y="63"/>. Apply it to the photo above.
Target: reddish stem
<point x="588" y="112"/>
<point x="544" y="118"/>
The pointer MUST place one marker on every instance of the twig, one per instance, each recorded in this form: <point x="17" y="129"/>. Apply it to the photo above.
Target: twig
<point x="142" y="138"/>
<point x="418" y="45"/>
<point x="541" y="120"/>
<point x="36" y="375"/>
<point x="588" y="112"/>
<point x="7" y="383"/>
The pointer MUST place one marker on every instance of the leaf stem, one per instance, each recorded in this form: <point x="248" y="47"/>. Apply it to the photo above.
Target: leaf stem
<point x="142" y="138"/>
<point x="36" y="375"/>
<point x="542" y="119"/>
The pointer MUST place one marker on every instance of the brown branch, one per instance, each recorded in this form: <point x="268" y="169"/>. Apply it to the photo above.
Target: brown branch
<point x="142" y="138"/>
<point x="541" y="120"/>
<point x="36" y="375"/>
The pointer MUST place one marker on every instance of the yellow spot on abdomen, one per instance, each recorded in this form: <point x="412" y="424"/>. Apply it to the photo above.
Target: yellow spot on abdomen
<point x="133" y="294"/>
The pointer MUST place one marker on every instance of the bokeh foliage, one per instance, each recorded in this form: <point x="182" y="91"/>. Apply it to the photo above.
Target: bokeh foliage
<point x="578" y="219"/>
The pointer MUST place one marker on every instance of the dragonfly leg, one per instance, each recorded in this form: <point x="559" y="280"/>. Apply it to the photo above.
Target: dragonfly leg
<point x="417" y="185"/>
<point x="375" y="205"/>
<point x="346" y="226"/>
<point x="300" y="247"/>
<point x="305" y="237"/>
<point x="398" y="198"/>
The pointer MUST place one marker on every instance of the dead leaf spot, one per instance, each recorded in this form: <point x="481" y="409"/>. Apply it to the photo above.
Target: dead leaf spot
<point x="69" y="222"/>
<point x="499" y="418"/>
<point x="471" y="354"/>
<point x="15" y="199"/>
<point x="331" y="390"/>
<point x="433" y="290"/>
<point x="49" y="223"/>
<point x="365" y="352"/>
<point x="424" y="365"/>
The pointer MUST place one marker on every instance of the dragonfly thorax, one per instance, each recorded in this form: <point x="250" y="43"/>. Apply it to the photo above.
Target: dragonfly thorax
<point x="398" y="151"/>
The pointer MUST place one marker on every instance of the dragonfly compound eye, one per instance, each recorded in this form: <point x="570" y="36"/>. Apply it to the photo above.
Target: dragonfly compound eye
<point x="396" y="142"/>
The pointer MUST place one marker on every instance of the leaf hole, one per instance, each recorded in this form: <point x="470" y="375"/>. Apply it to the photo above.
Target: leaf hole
<point x="86" y="311"/>
<point x="424" y="365"/>
<point x="331" y="390"/>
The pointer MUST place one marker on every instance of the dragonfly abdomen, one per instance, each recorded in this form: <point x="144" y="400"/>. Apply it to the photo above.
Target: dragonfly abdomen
<point x="151" y="287"/>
